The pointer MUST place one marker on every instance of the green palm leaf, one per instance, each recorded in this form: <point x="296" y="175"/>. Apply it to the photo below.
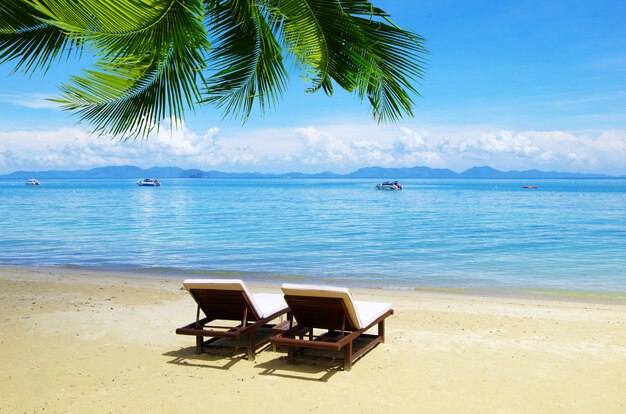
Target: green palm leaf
<point x="303" y="34"/>
<point x="150" y="55"/>
<point x="352" y="43"/>
<point x="246" y="58"/>
<point x="149" y="62"/>
<point x="27" y="41"/>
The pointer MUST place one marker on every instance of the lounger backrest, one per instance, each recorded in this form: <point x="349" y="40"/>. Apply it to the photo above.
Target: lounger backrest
<point x="223" y="298"/>
<point x="325" y="307"/>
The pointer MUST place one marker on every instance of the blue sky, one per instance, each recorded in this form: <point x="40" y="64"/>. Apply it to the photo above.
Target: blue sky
<point x="513" y="85"/>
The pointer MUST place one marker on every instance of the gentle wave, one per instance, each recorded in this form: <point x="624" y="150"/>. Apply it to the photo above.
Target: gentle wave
<point x="568" y="234"/>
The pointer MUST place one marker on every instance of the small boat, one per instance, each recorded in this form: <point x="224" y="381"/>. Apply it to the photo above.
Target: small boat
<point x="530" y="186"/>
<point x="32" y="181"/>
<point x="148" y="182"/>
<point x="389" y="185"/>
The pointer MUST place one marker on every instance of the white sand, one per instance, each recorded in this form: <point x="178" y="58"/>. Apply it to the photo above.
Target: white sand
<point x="78" y="342"/>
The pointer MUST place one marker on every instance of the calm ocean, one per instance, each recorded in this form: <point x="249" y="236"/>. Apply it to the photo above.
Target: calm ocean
<point x="473" y="234"/>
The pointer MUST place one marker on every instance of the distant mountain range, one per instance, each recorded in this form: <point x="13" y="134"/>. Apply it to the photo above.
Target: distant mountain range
<point x="129" y="171"/>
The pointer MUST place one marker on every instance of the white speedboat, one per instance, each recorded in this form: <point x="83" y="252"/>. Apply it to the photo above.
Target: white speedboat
<point x="149" y="182"/>
<point x="389" y="185"/>
<point x="32" y="181"/>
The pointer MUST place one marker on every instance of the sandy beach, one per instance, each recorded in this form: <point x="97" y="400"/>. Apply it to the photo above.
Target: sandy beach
<point x="77" y="341"/>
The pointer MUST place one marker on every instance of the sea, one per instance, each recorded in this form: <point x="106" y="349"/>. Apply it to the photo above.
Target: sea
<point x="475" y="235"/>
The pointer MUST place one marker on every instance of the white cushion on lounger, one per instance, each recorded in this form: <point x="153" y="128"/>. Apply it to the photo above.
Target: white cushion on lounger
<point x="361" y="314"/>
<point x="269" y="303"/>
<point x="370" y="311"/>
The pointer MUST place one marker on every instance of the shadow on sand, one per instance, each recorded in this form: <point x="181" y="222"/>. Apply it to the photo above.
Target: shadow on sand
<point x="301" y="370"/>
<point x="278" y="367"/>
<point x="222" y="360"/>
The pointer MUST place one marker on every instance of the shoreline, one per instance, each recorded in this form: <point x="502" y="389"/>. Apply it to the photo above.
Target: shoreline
<point x="255" y="278"/>
<point x="84" y="341"/>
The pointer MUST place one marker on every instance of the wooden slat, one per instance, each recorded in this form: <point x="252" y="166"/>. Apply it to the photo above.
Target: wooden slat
<point x="322" y="313"/>
<point x="223" y="304"/>
<point x="292" y="342"/>
<point x="362" y="351"/>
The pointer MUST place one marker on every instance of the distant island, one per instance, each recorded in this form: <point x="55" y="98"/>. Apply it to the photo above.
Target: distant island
<point x="128" y="171"/>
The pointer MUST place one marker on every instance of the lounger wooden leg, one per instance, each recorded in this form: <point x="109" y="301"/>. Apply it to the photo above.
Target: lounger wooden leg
<point x="199" y="342"/>
<point x="290" y="359"/>
<point x="347" y="357"/>
<point x="381" y="330"/>
<point x="251" y="353"/>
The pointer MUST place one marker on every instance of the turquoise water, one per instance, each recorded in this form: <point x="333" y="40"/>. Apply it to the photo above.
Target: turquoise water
<point x="568" y="234"/>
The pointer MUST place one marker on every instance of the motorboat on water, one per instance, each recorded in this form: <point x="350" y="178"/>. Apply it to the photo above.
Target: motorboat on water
<point x="32" y="181"/>
<point x="148" y="182"/>
<point x="389" y="185"/>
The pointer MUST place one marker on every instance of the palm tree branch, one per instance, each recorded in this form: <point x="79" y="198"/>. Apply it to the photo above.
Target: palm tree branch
<point x="129" y="93"/>
<point x="304" y="36"/>
<point x="370" y="56"/>
<point x="95" y="18"/>
<point x="32" y="44"/>
<point x="246" y="59"/>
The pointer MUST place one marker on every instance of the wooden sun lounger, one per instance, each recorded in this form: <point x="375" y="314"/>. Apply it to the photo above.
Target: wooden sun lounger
<point x="228" y="300"/>
<point x="342" y="320"/>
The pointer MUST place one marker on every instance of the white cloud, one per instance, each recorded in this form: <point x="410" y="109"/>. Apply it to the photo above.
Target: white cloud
<point x="612" y="141"/>
<point x="339" y="148"/>
<point x="500" y="142"/>
<point x="324" y="148"/>
<point x="399" y="147"/>
<point x="2" y="157"/>
<point x="76" y="148"/>
<point x="409" y="142"/>
<point x="29" y="100"/>
<point x="413" y="148"/>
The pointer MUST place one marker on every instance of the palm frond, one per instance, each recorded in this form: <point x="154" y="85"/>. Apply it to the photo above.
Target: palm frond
<point x="148" y="66"/>
<point x="246" y="57"/>
<point x="29" y="42"/>
<point x="397" y="58"/>
<point x="303" y="34"/>
<point x="354" y="44"/>
<point x="151" y="54"/>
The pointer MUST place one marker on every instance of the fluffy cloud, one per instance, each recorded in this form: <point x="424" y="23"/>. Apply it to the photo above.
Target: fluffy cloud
<point x="400" y="147"/>
<point x="339" y="148"/>
<point x="611" y="141"/>
<point x="500" y="142"/>
<point x="409" y="142"/>
<point x="413" y="148"/>
<point x="323" y="148"/>
<point x="67" y="148"/>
